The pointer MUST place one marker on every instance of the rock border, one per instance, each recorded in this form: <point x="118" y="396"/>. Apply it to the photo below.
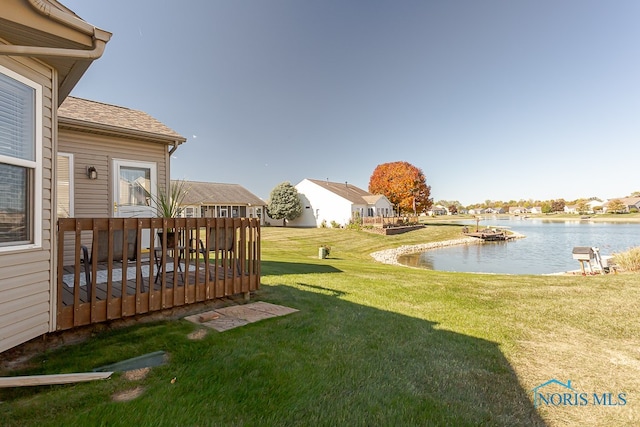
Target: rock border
<point x="390" y="256"/>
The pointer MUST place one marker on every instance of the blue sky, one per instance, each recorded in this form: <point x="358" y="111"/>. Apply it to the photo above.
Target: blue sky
<point x="493" y="100"/>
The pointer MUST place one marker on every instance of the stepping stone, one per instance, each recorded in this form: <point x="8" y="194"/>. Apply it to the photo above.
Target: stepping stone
<point x="239" y="315"/>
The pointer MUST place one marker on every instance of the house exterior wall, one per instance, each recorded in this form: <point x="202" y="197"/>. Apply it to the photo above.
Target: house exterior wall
<point x="319" y="204"/>
<point x="26" y="286"/>
<point x="95" y="198"/>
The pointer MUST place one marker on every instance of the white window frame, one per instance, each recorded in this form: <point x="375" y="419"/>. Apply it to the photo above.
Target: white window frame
<point x="71" y="185"/>
<point x="34" y="165"/>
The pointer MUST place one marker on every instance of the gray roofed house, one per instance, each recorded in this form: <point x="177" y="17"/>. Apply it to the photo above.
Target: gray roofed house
<point x="220" y="200"/>
<point x="630" y="203"/>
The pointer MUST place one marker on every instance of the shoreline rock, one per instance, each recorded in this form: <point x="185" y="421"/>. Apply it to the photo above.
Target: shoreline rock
<point x="390" y="256"/>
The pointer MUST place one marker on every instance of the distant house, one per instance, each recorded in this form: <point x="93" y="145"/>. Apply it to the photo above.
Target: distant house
<point x="518" y="210"/>
<point x="218" y="200"/>
<point x="327" y="202"/>
<point x="439" y="210"/>
<point x="493" y="211"/>
<point x="590" y="207"/>
<point x="536" y="210"/>
<point x="594" y="206"/>
<point x="630" y="203"/>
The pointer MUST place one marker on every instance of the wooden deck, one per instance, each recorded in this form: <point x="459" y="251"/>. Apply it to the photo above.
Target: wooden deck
<point x="129" y="279"/>
<point x="102" y="288"/>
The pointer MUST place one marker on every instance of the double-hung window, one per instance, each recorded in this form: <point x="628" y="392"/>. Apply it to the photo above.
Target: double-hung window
<point x="20" y="162"/>
<point x="64" y="185"/>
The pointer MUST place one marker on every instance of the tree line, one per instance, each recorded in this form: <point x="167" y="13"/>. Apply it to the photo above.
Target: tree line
<point x="405" y="186"/>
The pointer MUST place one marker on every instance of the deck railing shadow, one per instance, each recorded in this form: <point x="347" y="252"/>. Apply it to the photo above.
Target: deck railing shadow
<point x="102" y="276"/>
<point x="430" y="375"/>
<point x="279" y="267"/>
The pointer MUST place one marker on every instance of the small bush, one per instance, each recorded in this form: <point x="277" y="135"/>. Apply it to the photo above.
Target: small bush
<point x="334" y="224"/>
<point x="323" y="224"/>
<point x="353" y="226"/>
<point x="628" y="260"/>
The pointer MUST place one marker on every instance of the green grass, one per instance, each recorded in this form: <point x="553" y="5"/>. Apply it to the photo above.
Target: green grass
<point x="372" y="344"/>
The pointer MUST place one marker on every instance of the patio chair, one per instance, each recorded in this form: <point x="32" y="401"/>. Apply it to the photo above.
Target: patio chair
<point x="221" y="240"/>
<point x="117" y="255"/>
<point x="172" y="245"/>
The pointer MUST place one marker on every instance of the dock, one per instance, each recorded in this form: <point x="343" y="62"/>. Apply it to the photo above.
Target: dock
<point x="490" y="235"/>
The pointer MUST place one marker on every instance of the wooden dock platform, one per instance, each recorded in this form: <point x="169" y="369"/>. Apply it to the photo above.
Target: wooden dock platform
<point x="490" y="235"/>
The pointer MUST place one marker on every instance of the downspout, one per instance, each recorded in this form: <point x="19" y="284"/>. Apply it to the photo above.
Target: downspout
<point x="99" y="37"/>
<point x="172" y="150"/>
<point x="174" y="147"/>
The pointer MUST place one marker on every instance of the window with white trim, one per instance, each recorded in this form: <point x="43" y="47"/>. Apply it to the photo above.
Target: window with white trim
<point x="64" y="185"/>
<point x="20" y="161"/>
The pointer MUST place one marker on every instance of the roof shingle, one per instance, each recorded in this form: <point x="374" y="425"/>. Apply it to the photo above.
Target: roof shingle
<point x="346" y="191"/>
<point x="113" y="116"/>
<point x="213" y="193"/>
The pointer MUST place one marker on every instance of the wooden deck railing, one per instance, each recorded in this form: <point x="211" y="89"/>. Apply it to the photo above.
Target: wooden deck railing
<point x="111" y="268"/>
<point x="386" y="221"/>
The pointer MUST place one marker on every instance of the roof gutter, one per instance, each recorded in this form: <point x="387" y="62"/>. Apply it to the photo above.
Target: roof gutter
<point x="99" y="37"/>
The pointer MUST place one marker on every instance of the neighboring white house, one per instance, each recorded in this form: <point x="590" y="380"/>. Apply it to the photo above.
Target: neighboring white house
<point x="325" y="201"/>
<point x="594" y="205"/>
<point x="219" y="200"/>
<point x="590" y="207"/>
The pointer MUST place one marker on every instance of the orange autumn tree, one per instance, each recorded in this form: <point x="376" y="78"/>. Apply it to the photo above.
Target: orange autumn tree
<point x="404" y="185"/>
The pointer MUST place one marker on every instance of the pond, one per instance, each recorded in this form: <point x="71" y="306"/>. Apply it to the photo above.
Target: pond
<point x="546" y="249"/>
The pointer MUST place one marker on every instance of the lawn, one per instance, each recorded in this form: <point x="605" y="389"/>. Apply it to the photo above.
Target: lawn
<point x="372" y="344"/>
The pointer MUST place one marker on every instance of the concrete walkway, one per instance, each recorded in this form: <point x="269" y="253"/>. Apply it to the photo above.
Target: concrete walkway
<point x="223" y="319"/>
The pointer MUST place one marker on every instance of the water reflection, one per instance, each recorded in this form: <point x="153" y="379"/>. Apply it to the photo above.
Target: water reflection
<point x="546" y="249"/>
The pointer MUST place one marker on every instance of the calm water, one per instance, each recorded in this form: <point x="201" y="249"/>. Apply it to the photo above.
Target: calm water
<point x="547" y="247"/>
